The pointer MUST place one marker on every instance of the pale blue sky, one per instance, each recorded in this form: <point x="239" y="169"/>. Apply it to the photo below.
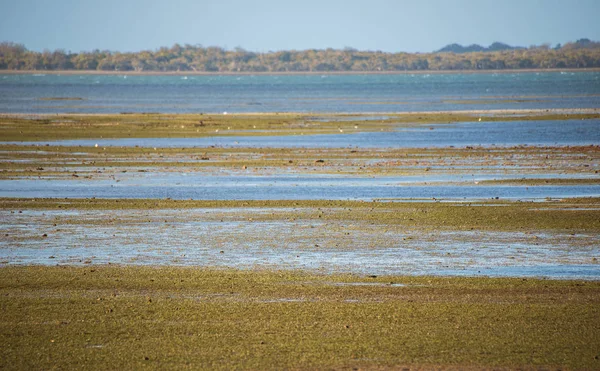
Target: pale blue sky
<point x="263" y="25"/>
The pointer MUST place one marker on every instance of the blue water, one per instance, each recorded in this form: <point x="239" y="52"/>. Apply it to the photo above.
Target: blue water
<point x="298" y="93"/>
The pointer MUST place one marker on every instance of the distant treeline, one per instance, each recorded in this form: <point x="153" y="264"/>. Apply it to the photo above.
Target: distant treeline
<point x="580" y="54"/>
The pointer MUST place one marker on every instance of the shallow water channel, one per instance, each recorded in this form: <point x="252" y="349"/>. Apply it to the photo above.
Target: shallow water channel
<point x="201" y="186"/>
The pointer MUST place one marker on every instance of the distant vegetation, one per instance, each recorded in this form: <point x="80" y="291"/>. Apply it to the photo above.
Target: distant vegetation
<point x="583" y="53"/>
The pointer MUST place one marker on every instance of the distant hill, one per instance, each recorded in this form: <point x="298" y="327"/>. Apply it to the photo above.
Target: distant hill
<point x="582" y="44"/>
<point x="498" y="46"/>
<point x="495" y="47"/>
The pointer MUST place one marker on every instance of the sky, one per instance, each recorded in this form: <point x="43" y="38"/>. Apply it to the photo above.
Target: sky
<point x="271" y="25"/>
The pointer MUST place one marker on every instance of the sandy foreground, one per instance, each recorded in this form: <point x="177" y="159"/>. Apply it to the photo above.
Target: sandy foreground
<point x="124" y="317"/>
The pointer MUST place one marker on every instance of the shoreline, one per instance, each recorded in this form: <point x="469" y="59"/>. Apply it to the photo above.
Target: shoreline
<point x="291" y="73"/>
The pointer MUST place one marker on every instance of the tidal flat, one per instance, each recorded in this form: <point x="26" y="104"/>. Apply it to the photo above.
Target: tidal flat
<point x="552" y="239"/>
<point x="335" y="256"/>
<point x="39" y="127"/>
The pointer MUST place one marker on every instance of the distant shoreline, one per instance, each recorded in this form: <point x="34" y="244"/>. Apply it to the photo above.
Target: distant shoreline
<point x="205" y="73"/>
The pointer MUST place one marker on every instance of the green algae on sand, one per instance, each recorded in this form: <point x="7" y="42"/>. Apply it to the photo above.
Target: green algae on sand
<point x="19" y="161"/>
<point x="154" y="125"/>
<point x="123" y="317"/>
<point x="580" y="214"/>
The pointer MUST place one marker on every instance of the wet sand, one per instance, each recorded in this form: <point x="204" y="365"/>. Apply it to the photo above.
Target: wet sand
<point x="552" y="239"/>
